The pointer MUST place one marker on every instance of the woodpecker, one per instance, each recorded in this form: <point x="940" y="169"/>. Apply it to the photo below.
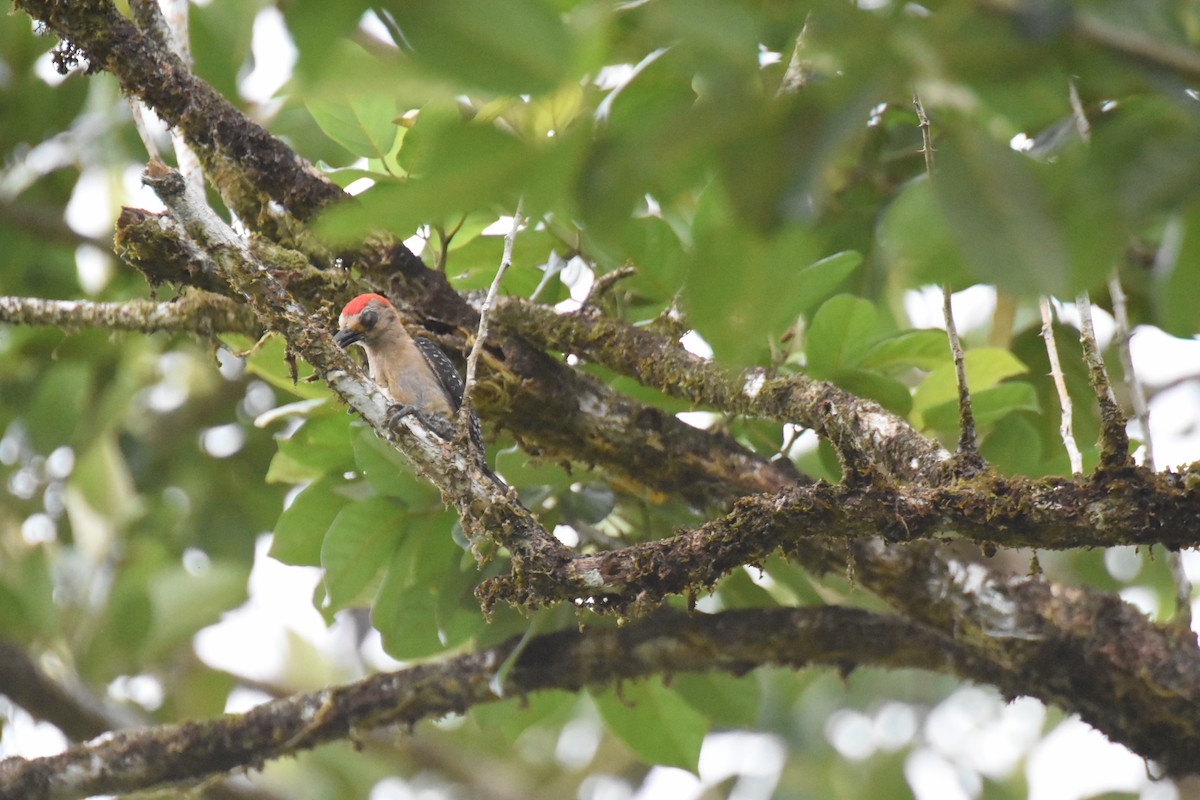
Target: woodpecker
<point x="412" y="371"/>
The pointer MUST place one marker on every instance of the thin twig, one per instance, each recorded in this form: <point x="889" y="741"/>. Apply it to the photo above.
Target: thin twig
<point x="1141" y="409"/>
<point x="167" y="22"/>
<point x="799" y="68"/>
<point x="926" y="139"/>
<point x="1082" y="125"/>
<point x="1137" y="392"/>
<point x="1114" y="442"/>
<point x="464" y="413"/>
<point x="966" y="418"/>
<point x="1065" y="428"/>
<point x="605" y="282"/>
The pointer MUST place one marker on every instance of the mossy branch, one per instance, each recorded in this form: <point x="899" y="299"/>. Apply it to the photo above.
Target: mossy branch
<point x="195" y="312"/>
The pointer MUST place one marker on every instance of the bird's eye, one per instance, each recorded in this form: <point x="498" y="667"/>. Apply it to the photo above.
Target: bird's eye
<point x="368" y="319"/>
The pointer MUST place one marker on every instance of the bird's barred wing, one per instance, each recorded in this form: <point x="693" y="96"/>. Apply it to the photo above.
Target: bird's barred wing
<point x="443" y="368"/>
<point x="452" y="384"/>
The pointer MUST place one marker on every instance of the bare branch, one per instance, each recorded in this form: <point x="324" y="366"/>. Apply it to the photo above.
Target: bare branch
<point x="1066" y="427"/>
<point x="926" y="139"/>
<point x="1082" y="126"/>
<point x="799" y="68"/>
<point x="967" y="445"/>
<point x="485" y="311"/>
<point x="966" y="417"/>
<point x="1114" y="441"/>
<point x="1137" y="393"/>
<point x="1113" y="664"/>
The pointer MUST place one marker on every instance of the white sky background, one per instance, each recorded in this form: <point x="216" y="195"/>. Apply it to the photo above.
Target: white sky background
<point x="971" y="734"/>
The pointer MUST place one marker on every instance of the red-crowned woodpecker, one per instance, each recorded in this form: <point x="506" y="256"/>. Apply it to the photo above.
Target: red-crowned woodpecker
<point x="412" y="371"/>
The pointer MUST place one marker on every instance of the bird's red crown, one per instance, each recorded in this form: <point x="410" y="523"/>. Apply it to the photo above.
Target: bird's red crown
<point x="357" y="304"/>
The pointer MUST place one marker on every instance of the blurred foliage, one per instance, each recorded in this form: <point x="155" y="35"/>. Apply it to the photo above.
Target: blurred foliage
<point x="784" y="226"/>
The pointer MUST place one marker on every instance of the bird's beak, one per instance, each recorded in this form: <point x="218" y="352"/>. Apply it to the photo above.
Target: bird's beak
<point x="346" y="337"/>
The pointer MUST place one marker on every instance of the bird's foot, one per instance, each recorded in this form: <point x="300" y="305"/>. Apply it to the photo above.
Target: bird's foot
<point x="395" y="413"/>
<point x="439" y="425"/>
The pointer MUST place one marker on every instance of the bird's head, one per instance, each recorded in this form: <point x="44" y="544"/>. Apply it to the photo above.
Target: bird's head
<point x="365" y="319"/>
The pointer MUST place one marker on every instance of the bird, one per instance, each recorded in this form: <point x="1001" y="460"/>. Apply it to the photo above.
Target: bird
<point x="415" y="374"/>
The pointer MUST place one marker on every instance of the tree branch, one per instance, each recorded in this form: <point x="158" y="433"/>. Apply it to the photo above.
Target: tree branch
<point x="249" y="166"/>
<point x="195" y="312"/>
<point x="1066" y="426"/>
<point x="81" y="715"/>
<point x="1134" y="45"/>
<point x="76" y="712"/>
<point x="1046" y="661"/>
<point x="1114" y="441"/>
<point x="1144" y="508"/>
<point x="1084" y="650"/>
<point x="851" y="424"/>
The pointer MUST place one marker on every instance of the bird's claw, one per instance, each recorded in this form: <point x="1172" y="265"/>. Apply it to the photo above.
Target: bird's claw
<point x="439" y="425"/>
<point x="395" y="413"/>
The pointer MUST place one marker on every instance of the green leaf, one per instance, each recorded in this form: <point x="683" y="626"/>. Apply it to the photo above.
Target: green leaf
<point x="15" y="618"/>
<point x="985" y="368"/>
<point x="657" y="724"/>
<point x="318" y="27"/>
<point x="724" y="699"/>
<point x="285" y="469"/>
<point x="733" y="292"/>
<point x="268" y="361"/>
<point x="389" y="473"/>
<point x="987" y="405"/>
<point x="1176" y="286"/>
<point x="999" y="215"/>
<point x="322" y="443"/>
<point x="103" y="478"/>
<point x="55" y="411"/>
<point x="514" y="716"/>
<point x="302" y="525"/>
<point x="360" y="541"/>
<point x="364" y="124"/>
<point x="1013" y="446"/>
<point x="418" y="609"/>
<point x="183" y="602"/>
<point x="406" y="618"/>
<point x="738" y="590"/>
<point x="456" y="168"/>
<point x="923" y="349"/>
<point x="514" y="47"/>
<point x="406" y="607"/>
<point x="428" y="553"/>
<point x="916" y="241"/>
<point x="815" y="282"/>
<point x="840" y="334"/>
